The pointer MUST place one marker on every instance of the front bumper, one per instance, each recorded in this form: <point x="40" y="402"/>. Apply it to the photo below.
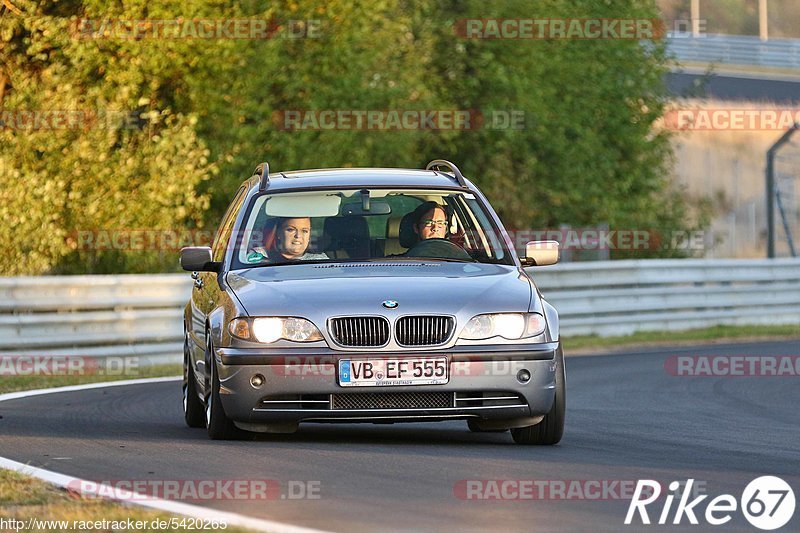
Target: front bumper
<point x="302" y="385"/>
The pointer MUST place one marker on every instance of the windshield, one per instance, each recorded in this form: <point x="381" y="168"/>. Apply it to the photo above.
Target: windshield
<point x="368" y="224"/>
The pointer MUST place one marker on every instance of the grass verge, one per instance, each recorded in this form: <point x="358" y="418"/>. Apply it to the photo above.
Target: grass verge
<point x="27" y="499"/>
<point x="18" y="383"/>
<point x="716" y="334"/>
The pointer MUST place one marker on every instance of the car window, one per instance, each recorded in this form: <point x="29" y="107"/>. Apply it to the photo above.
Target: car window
<point x="377" y="224"/>
<point x="226" y="226"/>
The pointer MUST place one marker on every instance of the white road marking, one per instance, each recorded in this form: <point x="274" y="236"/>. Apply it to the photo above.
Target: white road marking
<point x="184" y="509"/>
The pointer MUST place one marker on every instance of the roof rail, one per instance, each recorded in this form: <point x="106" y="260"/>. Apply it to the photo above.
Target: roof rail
<point x="436" y="163"/>
<point x="262" y="170"/>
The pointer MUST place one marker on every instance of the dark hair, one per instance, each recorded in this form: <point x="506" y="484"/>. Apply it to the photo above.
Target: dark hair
<point x="424" y="208"/>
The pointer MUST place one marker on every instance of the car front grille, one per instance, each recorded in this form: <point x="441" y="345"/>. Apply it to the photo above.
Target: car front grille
<point x="360" y="331"/>
<point x="423" y="330"/>
<point x="392" y="400"/>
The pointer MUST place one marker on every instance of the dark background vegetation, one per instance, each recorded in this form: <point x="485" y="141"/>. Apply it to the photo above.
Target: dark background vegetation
<point x="590" y="152"/>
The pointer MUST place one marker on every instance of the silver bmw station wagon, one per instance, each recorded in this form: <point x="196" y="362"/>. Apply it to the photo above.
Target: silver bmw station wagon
<point x="369" y="295"/>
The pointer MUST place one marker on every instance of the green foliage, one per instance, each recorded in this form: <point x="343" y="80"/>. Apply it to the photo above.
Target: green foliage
<point x="127" y="157"/>
<point x="588" y="152"/>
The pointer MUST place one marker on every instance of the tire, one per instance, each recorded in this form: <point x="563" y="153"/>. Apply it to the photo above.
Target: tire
<point x="219" y="426"/>
<point x="472" y="424"/>
<point x="551" y="428"/>
<point x="193" y="409"/>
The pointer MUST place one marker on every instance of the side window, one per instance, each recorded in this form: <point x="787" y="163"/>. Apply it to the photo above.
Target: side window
<point x="226" y="226"/>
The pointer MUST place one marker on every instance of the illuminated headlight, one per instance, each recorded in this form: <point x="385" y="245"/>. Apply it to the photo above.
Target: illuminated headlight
<point x="270" y="329"/>
<point x="506" y="325"/>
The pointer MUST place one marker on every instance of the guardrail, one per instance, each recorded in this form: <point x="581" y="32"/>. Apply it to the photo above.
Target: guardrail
<point x="737" y="50"/>
<point x="622" y="297"/>
<point x="141" y="315"/>
<point x="94" y="316"/>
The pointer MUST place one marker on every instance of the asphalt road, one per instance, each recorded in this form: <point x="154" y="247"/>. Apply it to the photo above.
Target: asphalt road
<point x="627" y="419"/>
<point x="730" y="87"/>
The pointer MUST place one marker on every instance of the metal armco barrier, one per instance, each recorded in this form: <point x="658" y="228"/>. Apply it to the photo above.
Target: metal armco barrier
<point x="737" y="50"/>
<point x="621" y="297"/>
<point x="141" y="315"/>
<point x="94" y="316"/>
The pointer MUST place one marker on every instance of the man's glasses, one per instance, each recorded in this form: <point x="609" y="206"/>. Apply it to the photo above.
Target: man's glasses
<point x="432" y="223"/>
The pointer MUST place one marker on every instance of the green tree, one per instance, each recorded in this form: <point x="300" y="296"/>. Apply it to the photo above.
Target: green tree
<point x="589" y="152"/>
<point x="200" y="114"/>
<point x="97" y="140"/>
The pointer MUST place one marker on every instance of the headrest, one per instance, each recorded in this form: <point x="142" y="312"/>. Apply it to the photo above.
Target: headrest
<point x="406" y="234"/>
<point x="349" y="233"/>
<point x="393" y="227"/>
<point x="346" y="227"/>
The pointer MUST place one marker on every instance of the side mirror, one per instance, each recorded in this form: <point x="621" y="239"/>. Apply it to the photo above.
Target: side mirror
<point x="541" y="253"/>
<point x="198" y="259"/>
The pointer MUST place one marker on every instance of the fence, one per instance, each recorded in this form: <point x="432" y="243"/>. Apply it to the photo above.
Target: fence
<point x="130" y="315"/>
<point x="140" y="315"/>
<point x="737" y="50"/>
<point x="621" y="297"/>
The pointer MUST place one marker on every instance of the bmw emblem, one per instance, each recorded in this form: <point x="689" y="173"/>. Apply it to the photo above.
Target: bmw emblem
<point x="390" y="304"/>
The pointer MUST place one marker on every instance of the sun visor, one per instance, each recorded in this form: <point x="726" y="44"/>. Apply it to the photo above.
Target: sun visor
<point x="303" y="205"/>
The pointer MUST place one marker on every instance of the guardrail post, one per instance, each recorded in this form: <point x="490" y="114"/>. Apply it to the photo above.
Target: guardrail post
<point x="695" y="15"/>
<point x="771" y="188"/>
<point x="763" y="31"/>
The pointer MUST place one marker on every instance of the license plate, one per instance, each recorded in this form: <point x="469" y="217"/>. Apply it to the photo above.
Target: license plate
<point x="393" y="372"/>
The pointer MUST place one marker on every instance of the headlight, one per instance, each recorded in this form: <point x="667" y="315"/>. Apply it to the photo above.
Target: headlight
<point x="269" y="329"/>
<point x="506" y="325"/>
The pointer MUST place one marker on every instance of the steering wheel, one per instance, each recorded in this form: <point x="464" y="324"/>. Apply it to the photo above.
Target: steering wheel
<point x="438" y="248"/>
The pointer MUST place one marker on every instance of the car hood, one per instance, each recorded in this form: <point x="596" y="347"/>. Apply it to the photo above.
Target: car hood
<point x="360" y="288"/>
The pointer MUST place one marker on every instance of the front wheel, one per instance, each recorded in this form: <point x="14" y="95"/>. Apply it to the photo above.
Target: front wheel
<point x="551" y="428"/>
<point x="219" y="426"/>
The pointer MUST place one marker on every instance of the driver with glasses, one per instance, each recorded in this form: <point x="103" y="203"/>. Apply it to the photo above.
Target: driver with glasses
<point x="430" y="221"/>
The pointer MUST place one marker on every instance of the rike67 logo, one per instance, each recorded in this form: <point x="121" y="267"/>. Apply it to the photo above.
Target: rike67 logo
<point x="767" y="503"/>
